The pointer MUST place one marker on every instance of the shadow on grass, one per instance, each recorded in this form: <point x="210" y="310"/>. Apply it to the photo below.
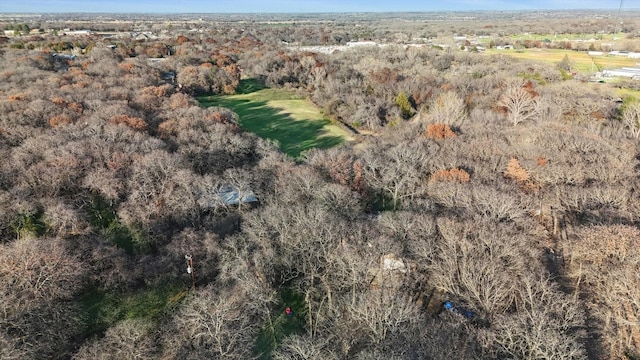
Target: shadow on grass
<point x="293" y="136"/>
<point x="103" y="309"/>
<point x="281" y="325"/>
<point x="248" y="86"/>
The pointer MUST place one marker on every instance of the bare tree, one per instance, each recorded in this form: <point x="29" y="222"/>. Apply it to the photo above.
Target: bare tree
<point x="519" y="104"/>
<point x="478" y="262"/>
<point x="48" y="330"/>
<point x="380" y="313"/>
<point x="397" y="172"/>
<point x="631" y="119"/>
<point x="129" y="339"/>
<point x="449" y="108"/>
<point x="214" y="326"/>
<point x="298" y="347"/>
<point x="34" y="271"/>
<point x="603" y="263"/>
<point x="546" y="325"/>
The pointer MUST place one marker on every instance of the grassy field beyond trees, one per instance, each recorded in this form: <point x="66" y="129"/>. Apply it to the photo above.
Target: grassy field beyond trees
<point x="579" y="60"/>
<point x="294" y="123"/>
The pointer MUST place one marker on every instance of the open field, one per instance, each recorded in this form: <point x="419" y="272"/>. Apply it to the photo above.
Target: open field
<point x="568" y="37"/>
<point x="628" y="93"/>
<point x="580" y="61"/>
<point x="296" y="124"/>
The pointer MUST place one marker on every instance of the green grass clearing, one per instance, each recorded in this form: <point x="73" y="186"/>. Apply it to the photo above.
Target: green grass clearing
<point x="104" y="309"/>
<point x="581" y="61"/>
<point x="628" y="93"/>
<point x="281" y="326"/>
<point x="296" y="124"/>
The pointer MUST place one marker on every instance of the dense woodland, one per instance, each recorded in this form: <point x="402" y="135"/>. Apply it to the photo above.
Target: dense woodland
<point x="500" y="185"/>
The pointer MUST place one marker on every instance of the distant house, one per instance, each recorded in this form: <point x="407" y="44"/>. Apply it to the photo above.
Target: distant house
<point x="633" y="73"/>
<point x="361" y="43"/>
<point x="629" y="54"/>
<point x="77" y="32"/>
<point x="618" y="53"/>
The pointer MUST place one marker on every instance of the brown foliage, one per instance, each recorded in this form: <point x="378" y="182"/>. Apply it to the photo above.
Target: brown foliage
<point x="167" y="129"/>
<point x="81" y="84"/>
<point x="341" y="167"/>
<point x="157" y="91"/>
<point x="182" y="39"/>
<point x="453" y="174"/>
<point x="521" y="175"/>
<point x="59" y="101"/>
<point x="385" y="76"/>
<point x="349" y="174"/>
<point x="58" y="120"/>
<point x="447" y="87"/>
<point x="118" y="161"/>
<point x="516" y="172"/>
<point x="247" y="42"/>
<point x="528" y="87"/>
<point x="126" y="66"/>
<point x="180" y="100"/>
<point x="135" y="123"/>
<point x="17" y="97"/>
<point x="221" y="60"/>
<point x="440" y="131"/>
<point x="542" y="161"/>
<point x="77" y="107"/>
<point x="223" y="118"/>
<point x="228" y="88"/>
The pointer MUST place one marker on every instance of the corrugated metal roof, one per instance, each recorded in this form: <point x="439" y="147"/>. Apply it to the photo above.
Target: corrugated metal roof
<point x="225" y="195"/>
<point x="233" y="196"/>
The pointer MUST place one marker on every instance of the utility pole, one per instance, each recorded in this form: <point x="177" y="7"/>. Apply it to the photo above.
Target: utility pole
<point x="190" y="270"/>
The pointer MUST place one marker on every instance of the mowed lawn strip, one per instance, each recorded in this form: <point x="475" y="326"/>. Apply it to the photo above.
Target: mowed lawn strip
<point x="277" y="114"/>
<point x="580" y="60"/>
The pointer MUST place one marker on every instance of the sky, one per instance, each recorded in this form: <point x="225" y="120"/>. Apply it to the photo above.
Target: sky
<point x="295" y="6"/>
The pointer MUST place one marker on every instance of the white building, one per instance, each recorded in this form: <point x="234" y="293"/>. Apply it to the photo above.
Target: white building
<point x="633" y="73"/>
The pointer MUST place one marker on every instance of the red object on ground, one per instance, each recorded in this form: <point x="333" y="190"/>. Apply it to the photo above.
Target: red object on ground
<point x="288" y="311"/>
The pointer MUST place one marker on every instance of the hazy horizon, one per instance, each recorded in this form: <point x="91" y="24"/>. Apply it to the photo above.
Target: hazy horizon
<point x="291" y="6"/>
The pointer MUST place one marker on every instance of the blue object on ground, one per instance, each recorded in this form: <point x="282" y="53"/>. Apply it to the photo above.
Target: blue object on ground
<point x="449" y="306"/>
